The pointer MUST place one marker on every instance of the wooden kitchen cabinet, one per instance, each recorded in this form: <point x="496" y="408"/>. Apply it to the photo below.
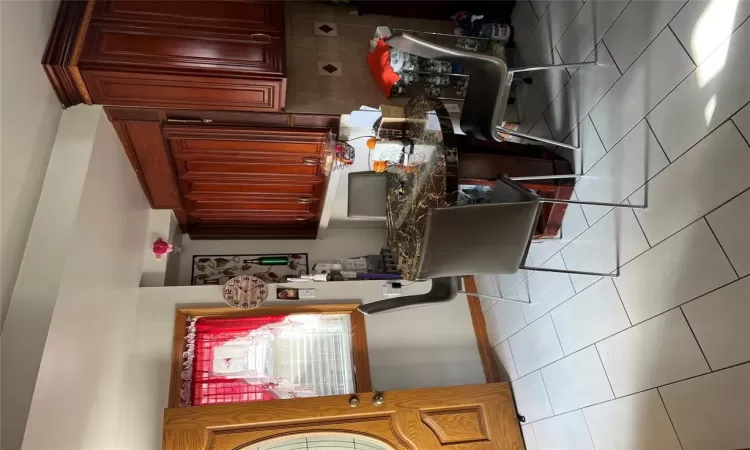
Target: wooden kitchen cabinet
<point x="217" y="55"/>
<point x="230" y="175"/>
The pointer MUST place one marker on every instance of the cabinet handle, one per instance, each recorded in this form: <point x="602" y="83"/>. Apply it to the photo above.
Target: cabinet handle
<point x="300" y="218"/>
<point x="305" y="200"/>
<point x="308" y="161"/>
<point x="189" y="120"/>
<point x="263" y="37"/>
<point x="378" y="399"/>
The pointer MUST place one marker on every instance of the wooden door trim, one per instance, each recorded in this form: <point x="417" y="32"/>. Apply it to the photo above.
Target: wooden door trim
<point x="360" y="357"/>
<point x="492" y="372"/>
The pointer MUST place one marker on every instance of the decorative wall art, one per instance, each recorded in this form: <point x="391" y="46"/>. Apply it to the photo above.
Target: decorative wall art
<point x="271" y="268"/>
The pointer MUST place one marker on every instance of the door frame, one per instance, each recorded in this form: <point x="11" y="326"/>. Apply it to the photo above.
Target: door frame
<point x="360" y="357"/>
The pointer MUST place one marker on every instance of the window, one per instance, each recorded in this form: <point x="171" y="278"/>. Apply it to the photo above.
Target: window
<point x="268" y="353"/>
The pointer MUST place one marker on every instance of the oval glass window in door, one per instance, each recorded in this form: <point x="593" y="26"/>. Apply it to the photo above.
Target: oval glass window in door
<point x="321" y="441"/>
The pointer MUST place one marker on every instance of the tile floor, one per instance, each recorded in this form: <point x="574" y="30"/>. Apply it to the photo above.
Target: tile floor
<point x="659" y="357"/>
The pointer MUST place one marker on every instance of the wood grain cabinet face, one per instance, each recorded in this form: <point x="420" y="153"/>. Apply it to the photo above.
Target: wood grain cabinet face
<point x="243" y="15"/>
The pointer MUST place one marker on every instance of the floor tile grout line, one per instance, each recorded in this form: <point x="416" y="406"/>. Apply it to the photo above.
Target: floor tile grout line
<point x="640" y="225"/>
<point x="512" y="357"/>
<point x="546" y="392"/>
<point x="585" y="422"/>
<point x="559" y="342"/>
<point x="653" y="388"/>
<point x="622" y="303"/>
<point x="570" y="278"/>
<point x="630" y="327"/>
<point x="690" y="327"/>
<point x="669" y="25"/>
<point x="648" y="124"/>
<point x="738" y="128"/>
<point x="670" y="418"/>
<point x="613" y="60"/>
<point x="737" y="274"/>
<point x="606" y="375"/>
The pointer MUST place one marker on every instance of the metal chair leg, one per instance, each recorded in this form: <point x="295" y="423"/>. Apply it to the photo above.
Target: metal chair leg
<point x="573" y="272"/>
<point x="536" y="138"/>
<point x="546" y="177"/>
<point x="494" y="297"/>
<point x="550" y="66"/>
<point x="579" y="202"/>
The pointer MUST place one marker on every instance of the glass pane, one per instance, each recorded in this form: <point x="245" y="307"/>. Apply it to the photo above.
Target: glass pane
<point x="321" y="441"/>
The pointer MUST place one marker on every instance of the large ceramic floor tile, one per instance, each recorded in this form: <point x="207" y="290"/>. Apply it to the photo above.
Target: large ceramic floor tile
<point x="656" y="352"/>
<point x="637" y="26"/>
<point x="716" y="90"/>
<point x="547" y="289"/>
<point x="742" y="120"/>
<point x="531" y="397"/>
<point x="563" y="432"/>
<point x="652" y="76"/>
<point x="583" y="91"/>
<point x="590" y="316"/>
<point x="588" y="28"/>
<point x="681" y="268"/>
<point x="539" y="7"/>
<point x="592" y="149"/>
<point x="720" y="323"/>
<point x="576" y="381"/>
<point x="535" y="346"/>
<point x="528" y="437"/>
<point x="635" y="422"/>
<point x="524" y="20"/>
<point x="729" y="223"/>
<point x="626" y="167"/>
<point x="711" y="412"/>
<point x="548" y="31"/>
<point x="503" y="319"/>
<point x="702" y="26"/>
<point x="611" y="242"/>
<point x="533" y="99"/>
<point x="708" y="175"/>
<point x="505" y="358"/>
<point x="574" y="223"/>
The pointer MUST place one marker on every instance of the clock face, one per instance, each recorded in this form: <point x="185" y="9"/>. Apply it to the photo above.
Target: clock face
<point x="245" y="292"/>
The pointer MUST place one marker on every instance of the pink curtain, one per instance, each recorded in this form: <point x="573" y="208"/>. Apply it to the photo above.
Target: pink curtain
<point x="209" y="388"/>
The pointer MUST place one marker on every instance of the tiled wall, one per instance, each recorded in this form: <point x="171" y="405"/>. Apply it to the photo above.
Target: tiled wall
<point x="326" y="49"/>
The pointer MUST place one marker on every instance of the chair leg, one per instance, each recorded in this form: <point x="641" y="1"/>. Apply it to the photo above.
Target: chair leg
<point x="546" y="177"/>
<point x="579" y="202"/>
<point x="551" y="66"/>
<point x="573" y="272"/>
<point x="493" y="297"/>
<point x="535" y="138"/>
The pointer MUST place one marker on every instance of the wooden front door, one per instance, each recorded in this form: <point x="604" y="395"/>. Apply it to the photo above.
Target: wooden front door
<point x="479" y="417"/>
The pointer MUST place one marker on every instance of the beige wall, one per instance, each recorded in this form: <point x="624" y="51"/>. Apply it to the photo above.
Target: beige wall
<point x="308" y="91"/>
<point x="65" y="339"/>
<point x="29" y="115"/>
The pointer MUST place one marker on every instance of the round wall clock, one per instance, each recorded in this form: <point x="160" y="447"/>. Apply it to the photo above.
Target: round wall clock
<point x="245" y="291"/>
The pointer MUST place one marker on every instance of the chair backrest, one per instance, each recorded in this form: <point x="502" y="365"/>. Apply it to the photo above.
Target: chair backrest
<point x="489" y="83"/>
<point x="367" y="195"/>
<point x="488" y="238"/>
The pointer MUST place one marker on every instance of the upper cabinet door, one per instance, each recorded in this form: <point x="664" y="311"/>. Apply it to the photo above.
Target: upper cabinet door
<point x="245" y="16"/>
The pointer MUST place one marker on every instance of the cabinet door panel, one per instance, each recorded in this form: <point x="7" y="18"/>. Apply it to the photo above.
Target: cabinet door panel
<point x="239" y="204"/>
<point x="264" y="16"/>
<point x="182" y="49"/>
<point x="179" y="91"/>
<point x="194" y="170"/>
<point x="249" y="187"/>
<point x="244" y="141"/>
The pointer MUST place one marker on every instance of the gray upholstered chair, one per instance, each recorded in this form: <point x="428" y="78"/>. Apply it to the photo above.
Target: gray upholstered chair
<point x="489" y="86"/>
<point x="489" y="238"/>
<point x="367" y="195"/>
